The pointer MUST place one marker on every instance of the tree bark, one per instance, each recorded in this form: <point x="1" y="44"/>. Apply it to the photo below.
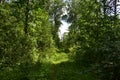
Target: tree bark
<point x="26" y="17"/>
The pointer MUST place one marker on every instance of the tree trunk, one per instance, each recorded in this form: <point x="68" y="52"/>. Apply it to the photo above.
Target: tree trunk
<point x="26" y="17"/>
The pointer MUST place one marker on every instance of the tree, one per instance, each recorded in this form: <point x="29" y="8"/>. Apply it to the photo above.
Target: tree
<point x="94" y="35"/>
<point x="26" y="34"/>
<point x="18" y="18"/>
<point x="55" y="12"/>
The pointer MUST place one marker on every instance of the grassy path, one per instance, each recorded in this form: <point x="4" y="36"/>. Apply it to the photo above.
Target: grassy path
<point x="62" y="68"/>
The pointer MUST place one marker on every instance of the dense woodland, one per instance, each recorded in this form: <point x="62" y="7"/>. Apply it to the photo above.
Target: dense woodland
<point x="30" y="47"/>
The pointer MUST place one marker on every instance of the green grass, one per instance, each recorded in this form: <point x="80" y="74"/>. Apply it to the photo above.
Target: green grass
<point x="57" y="64"/>
<point x="69" y="71"/>
<point x="56" y="58"/>
<point x="66" y="69"/>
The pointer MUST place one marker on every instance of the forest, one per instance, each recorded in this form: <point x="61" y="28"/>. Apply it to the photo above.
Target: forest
<point x="31" y="47"/>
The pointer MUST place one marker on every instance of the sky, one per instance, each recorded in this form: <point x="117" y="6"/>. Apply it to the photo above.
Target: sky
<point x="63" y="28"/>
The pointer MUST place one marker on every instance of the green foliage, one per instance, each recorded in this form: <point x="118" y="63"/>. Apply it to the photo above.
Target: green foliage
<point x="21" y="50"/>
<point x="94" y="38"/>
<point x="55" y="12"/>
<point x="30" y="48"/>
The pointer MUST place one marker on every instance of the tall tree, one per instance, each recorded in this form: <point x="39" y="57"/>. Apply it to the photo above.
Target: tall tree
<point x="19" y="17"/>
<point x="94" y="36"/>
<point x="55" y="12"/>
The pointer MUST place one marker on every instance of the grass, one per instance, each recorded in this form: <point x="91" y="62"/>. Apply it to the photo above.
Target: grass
<point x="57" y="65"/>
<point x="56" y="58"/>
<point x="66" y="69"/>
